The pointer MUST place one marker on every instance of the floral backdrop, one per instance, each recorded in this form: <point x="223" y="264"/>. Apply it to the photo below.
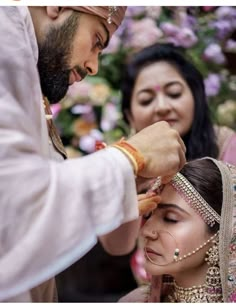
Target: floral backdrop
<point x="91" y="109"/>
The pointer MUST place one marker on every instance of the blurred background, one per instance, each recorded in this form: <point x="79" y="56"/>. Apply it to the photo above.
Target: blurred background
<point x="91" y="111"/>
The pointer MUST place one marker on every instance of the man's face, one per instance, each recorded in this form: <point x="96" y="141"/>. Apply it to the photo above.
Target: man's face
<point x="54" y="56"/>
<point x="69" y="52"/>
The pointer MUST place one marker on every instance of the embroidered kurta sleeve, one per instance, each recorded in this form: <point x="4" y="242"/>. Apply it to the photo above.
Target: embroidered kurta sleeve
<point x="50" y="213"/>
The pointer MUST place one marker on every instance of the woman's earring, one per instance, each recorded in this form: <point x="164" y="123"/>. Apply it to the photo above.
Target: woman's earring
<point x="213" y="280"/>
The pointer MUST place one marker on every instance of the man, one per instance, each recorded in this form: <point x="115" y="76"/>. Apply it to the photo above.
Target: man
<point x="53" y="212"/>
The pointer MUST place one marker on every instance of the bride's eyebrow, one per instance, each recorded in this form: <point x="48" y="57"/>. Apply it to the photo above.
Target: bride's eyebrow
<point x="171" y="205"/>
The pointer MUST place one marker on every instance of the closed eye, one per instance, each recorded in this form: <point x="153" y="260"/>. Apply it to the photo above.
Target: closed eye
<point x="99" y="44"/>
<point x="174" y="95"/>
<point x="145" y="102"/>
<point x="167" y="219"/>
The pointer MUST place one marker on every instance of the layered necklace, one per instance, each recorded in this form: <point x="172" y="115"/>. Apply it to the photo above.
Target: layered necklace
<point x="195" y="294"/>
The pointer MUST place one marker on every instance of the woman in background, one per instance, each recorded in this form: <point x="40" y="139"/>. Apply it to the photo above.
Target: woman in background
<point x="160" y="84"/>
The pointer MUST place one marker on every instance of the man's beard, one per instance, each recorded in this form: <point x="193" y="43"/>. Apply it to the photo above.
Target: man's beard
<point x="54" y="57"/>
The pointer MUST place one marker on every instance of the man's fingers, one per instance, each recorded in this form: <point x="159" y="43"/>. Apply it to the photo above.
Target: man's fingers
<point x="166" y="179"/>
<point x="182" y="145"/>
<point x="182" y="159"/>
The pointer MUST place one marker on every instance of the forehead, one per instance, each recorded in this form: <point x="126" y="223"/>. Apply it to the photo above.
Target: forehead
<point x="169" y="195"/>
<point x="159" y="72"/>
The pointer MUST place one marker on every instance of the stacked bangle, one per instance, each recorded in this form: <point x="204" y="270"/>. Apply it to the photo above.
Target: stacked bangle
<point x="133" y="154"/>
<point x="135" y="157"/>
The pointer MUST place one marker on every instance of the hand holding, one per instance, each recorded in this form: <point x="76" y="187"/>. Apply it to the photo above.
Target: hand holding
<point x="163" y="150"/>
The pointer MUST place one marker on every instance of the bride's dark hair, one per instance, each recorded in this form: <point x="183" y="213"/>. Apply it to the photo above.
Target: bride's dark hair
<point x="205" y="176"/>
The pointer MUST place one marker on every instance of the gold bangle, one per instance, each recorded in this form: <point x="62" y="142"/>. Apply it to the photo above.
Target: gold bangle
<point x="131" y="158"/>
<point x="134" y="152"/>
<point x="135" y="157"/>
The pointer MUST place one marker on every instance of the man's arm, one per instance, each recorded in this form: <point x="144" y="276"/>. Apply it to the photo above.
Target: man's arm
<point x="50" y="213"/>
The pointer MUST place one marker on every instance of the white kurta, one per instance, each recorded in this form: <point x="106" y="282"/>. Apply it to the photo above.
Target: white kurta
<point x="50" y="212"/>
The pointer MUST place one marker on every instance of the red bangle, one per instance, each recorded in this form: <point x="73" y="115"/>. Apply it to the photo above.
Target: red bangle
<point x="100" y="145"/>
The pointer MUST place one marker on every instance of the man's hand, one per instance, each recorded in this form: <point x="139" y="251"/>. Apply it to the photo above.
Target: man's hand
<point x="163" y="150"/>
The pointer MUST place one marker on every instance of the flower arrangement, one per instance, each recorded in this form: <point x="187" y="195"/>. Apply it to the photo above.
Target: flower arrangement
<point x="89" y="113"/>
<point x="207" y="34"/>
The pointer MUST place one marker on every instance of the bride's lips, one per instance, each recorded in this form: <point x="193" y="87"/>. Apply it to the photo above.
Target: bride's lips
<point x="150" y="251"/>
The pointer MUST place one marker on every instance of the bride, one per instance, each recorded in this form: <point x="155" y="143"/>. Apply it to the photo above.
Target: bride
<point x="189" y="240"/>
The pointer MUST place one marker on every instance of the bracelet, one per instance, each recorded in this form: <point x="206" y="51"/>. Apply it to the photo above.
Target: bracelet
<point x="135" y="157"/>
<point x="133" y="154"/>
<point x="131" y="158"/>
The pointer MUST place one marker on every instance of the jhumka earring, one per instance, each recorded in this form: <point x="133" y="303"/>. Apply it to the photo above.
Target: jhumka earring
<point x="213" y="281"/>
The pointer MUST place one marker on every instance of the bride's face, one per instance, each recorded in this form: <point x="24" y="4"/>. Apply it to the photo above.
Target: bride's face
<point x="174" y="224"/>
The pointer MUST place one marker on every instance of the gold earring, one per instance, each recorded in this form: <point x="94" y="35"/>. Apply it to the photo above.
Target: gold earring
<point x="213" y="281"/>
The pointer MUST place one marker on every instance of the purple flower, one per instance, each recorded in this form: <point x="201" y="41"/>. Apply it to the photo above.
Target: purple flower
<point x="87" y="142"/>
<point x="187" y="21"/>
<point x="110" y="117"/>
<point x="134" y="11"/>
<point x="225" y="12"/>
<point x="214" y="53"/>
<point x="186" y="38"/>
<point x="81" y="108"/>
<point x="212" y="84"/>
<point x="169" y="29"/>
<point x="230" y="45"/>
<point x="143" y="33"/>
<point x="223" y="28"/>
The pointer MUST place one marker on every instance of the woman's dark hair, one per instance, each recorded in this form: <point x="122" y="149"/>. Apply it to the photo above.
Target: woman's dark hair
<point x="200" y="141"/>
<point x="205" y="176"/>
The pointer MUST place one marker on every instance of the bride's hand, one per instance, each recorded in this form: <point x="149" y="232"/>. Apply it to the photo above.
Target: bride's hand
<point x="147" y="202"/>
